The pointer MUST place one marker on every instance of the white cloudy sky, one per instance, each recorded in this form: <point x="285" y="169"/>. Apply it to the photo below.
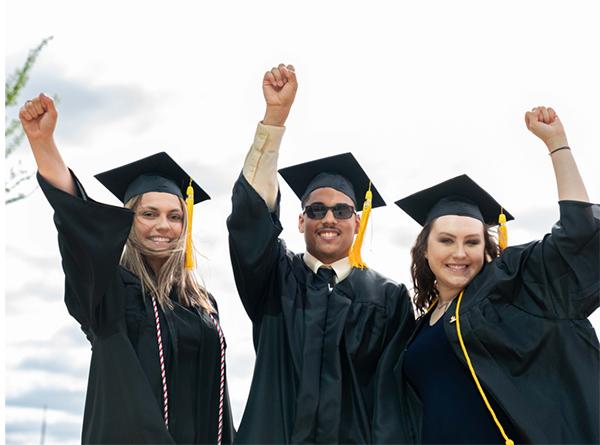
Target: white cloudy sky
<point x="418" y="91"/>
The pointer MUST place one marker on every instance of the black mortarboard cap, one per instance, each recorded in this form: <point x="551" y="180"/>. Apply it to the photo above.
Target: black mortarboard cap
<point x="156" y="173"/>
<point x="457" y="196"/>
<point x="341" y="172"/>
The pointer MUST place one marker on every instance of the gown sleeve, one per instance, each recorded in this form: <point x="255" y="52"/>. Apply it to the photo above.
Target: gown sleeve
<point x="91" y="237"/>
<point x="560" y="275"/>
<point x="386" y="427"/>
<point x="254" y="246"/>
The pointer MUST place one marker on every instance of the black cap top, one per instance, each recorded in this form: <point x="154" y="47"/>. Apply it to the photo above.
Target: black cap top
<point x="156" y="173"/>
<point x="340" y="172"/>
<point x="457" y="196"/>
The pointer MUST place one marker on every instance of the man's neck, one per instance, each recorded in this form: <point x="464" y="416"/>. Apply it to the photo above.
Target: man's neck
<point x="341" y="267"/>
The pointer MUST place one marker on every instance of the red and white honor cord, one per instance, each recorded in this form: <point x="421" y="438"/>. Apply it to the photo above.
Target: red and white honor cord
<point x="164" y="374"/>
<point x="221" y="379"/>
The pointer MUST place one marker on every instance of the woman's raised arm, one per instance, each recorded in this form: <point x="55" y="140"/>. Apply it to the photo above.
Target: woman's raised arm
<point x="38" y="117"/>
<point x="545" y="124"/>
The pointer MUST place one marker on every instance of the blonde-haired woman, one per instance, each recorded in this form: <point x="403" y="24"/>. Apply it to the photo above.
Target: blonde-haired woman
<point x="157" y="367"/>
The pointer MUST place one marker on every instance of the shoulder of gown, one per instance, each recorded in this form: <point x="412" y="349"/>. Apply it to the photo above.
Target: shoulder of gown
<point x="91" y="237"/>
<point x="557" y="276"/>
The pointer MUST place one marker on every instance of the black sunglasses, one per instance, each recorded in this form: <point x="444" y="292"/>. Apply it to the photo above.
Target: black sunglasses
<point x="318" y="211"/>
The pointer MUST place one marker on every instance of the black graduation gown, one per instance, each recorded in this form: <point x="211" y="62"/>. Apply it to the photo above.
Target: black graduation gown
<point x="524" y="324"/>
<point x="316" y="376"/>
<point x="124" y="396"/>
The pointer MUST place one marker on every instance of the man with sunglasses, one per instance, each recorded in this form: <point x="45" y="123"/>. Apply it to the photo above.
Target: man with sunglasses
<point x="326" y="331"/>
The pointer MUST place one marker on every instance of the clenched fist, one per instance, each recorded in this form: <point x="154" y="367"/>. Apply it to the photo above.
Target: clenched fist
<point x="38" y="117"/>
<point x="279" y="88"/>
<point x="545" y="124"/>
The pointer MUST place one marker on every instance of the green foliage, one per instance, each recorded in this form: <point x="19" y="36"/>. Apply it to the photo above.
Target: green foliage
<point x="13" y="133"/>
<point x="17" y="80"/>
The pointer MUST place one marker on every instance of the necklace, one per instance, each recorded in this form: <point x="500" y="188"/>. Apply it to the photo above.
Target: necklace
<point x="443" y="306"/>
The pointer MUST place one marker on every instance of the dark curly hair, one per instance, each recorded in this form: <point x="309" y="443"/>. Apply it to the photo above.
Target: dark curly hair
<point x="425" y="290"/>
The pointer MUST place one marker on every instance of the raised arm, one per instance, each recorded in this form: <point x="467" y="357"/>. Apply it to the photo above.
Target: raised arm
<point x="546" y="125"/>
<point x="38" y="117"/>
<point x="260" y="167"/>
<point x="560" y="275"/>
<point x="254" y="225"/>
<point x="91" y="235"/>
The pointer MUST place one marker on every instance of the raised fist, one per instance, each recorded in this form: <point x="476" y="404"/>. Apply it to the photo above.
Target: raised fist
<point x="545" y="124"/>
<point x="279" y="88"/>
<point x="38" y="117"/>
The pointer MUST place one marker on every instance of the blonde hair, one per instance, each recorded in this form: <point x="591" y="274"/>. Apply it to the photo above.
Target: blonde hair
<point x="172" y="274"/>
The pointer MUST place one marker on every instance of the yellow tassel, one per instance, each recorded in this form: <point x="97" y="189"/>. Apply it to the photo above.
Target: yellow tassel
<point x="189" y="202"/>
<point x="354" y="255"/>
<point x="502" y="232"/>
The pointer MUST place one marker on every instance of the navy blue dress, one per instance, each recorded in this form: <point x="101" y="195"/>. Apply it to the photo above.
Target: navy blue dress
<point x="453" y="410"/>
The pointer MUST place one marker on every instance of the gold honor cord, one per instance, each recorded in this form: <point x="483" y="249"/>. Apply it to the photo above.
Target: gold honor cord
<point x="469" y="364"/>
<point x="189" y="202"/>
<point x="432" y="305"/>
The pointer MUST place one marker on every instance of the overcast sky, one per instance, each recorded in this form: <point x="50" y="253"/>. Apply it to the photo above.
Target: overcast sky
<point x="418" y="91"/>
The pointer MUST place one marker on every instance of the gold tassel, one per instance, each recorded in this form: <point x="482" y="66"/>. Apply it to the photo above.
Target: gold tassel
<point x="502" y="232"/>
<point x="189" y="202"/>
<point x="354" y="255"/>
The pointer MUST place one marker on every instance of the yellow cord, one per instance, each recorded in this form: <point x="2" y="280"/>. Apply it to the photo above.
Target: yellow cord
<point x="485" y="400"/>
<point x="433" y="303"/>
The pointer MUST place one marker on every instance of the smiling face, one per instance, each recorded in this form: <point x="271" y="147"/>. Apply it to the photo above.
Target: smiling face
<point x="158" y="225"/>
<point x="455" y="252"/>
<point x="328" y="239"/>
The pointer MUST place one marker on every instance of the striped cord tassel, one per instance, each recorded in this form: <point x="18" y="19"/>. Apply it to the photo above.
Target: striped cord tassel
<point x="221" y="380"/>
<point x="163" y="373"/>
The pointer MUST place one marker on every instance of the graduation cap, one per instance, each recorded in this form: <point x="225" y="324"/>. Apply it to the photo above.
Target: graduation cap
<point x="343" y="173"/>
<point x="156" y="173"/>
<point x="457" y="196"/>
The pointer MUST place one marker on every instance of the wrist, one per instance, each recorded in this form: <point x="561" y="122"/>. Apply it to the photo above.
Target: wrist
<point x="42" y="142"/>
<point x="556" y="142"/>
<point x="275" y="116"/>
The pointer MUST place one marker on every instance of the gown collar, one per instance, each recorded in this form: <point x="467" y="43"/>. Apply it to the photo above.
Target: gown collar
<point x="342" y="267"/>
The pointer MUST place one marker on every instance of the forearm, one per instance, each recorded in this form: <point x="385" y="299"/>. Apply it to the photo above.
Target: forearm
<point x="568" y="180"/>
<point x="546" y="125"/>
<point x="51" y="165"/>
<point x="260" y="166"/>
